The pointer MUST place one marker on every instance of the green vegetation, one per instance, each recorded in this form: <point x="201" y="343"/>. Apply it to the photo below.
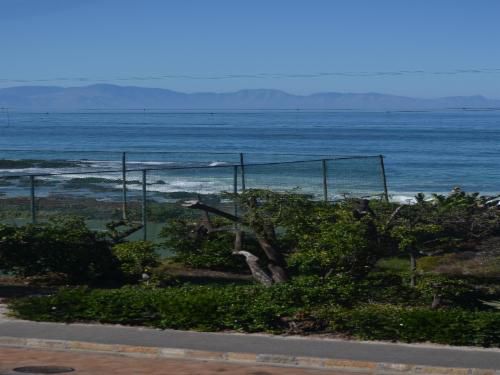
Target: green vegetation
<point x="135" y="258"/>
<point x="368" y="269"/>
<point x="298" y="306"/>
<point x="388" y="322"/>
<point x="65" y="247"/>
<point x="196" y="246"/>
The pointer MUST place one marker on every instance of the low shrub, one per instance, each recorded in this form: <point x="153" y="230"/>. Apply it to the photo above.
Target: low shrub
<point x="455" y="292"/>
<point x="211" y="307"/>
<point x="188" y="307"/>
<point x="452" y="292"/>
<point x="416" y="324"/>
<point x="254" y="308"/>
<point x="390" y="288"/>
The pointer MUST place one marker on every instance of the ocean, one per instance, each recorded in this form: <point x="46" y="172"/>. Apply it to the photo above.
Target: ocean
<point x="424" y="151"/>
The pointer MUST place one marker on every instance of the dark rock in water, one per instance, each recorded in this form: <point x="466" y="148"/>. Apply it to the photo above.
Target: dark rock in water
<point x="31" y="163"/>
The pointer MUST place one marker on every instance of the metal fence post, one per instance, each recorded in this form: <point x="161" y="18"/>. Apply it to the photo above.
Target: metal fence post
<point x="384" y="177"/>
<point x="242" y="166"/>
<point x="144" y="206"/>
<point x="235" y="189"/>
<point x="124" y="186"/>
<point x="325" y="180"/>
<point x="32" y="199"/>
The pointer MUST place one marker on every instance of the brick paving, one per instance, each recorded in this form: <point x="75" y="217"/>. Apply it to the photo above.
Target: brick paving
<point x="90" y="363"/>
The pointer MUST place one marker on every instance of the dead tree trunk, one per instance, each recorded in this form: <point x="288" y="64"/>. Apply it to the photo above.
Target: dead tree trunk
<point x="276" y="261"/>
<point x="266" y="238"/>
<point x="258" y="273"/>
<point x="436" y="301"/>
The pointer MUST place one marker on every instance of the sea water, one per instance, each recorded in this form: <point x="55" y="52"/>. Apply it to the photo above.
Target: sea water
<point x="424" y="151"/>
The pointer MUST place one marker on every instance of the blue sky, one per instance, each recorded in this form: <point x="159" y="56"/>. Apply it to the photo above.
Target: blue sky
<point x="425" y="48"/>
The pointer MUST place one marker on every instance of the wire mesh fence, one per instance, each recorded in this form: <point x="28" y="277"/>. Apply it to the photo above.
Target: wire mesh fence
<point x="150" y="189"/>
<point x="302" y="177"/>
<point x="357" y="177"/>
<point x="47" y="161"/>
<point x="15" y="195"/>
<point x="180" y="159"/>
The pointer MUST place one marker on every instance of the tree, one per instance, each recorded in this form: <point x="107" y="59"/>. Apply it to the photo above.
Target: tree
<point x="261" y="224"/>
<point x="296" y="233"/>
<point x="441" y="224"/>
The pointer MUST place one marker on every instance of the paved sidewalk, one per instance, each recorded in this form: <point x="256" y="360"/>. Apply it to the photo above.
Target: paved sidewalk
<point x="95" y="364"/>
<point x="426" y="355"/>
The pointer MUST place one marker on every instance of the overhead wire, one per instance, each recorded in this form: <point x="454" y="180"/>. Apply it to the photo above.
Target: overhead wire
<point x="267" y="75"/>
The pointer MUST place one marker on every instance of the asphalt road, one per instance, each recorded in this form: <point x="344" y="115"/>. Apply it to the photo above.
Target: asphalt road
<point x="430" y="355"/>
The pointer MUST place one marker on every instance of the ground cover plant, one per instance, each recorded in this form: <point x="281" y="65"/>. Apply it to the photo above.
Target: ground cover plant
<point x="358" y="268"/>
<point x="296" y="307"/>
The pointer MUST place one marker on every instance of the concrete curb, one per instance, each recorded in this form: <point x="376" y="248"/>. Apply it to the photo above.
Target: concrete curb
<point x="267" y="359"/>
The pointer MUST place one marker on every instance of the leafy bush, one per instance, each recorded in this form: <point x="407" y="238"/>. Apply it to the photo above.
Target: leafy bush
<point x="454" y="223"/>
<point x="453" y="291"/>
<point x="339" y="244"/>
<point x="65" y="247"/>
<point x="201" y="307"/>
<point x="135" y="258"/>
<point x="387" y="322"/>
<point x="255" y="308"/>
<point x="389" y="288"/>
<point x="211" y="307"/>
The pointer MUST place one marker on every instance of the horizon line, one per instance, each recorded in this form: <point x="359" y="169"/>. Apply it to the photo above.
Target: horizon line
<point x="251" y="89"/>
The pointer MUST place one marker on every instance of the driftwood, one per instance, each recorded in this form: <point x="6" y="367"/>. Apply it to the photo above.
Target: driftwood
<point x="266" y="238"/>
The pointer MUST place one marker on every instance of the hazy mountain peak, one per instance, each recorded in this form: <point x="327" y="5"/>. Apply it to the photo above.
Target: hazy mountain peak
<point x="109" y="96"/>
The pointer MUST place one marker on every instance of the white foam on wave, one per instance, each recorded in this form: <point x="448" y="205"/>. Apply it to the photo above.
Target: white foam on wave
<point x="34" y="171"/>
<point x="199" y="186"/>
<point x="25" y="170"/>
<point x="402" y="198"/>
<point x="72" y="175"/>
<point x="152" y="162"/>
<point x="410" y="198"/>
<point x="217" y="163"/>
<point x="101" y="163"/>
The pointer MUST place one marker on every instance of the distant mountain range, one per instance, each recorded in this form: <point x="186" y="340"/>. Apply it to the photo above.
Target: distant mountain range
<point x="105" y="96"/>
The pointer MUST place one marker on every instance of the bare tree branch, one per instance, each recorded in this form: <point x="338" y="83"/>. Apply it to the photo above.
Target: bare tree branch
<point x="117" y="235"/>
<point x="393" y="216"/>
<point x="264" y="233"/>
<point x="201" y="206"/>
